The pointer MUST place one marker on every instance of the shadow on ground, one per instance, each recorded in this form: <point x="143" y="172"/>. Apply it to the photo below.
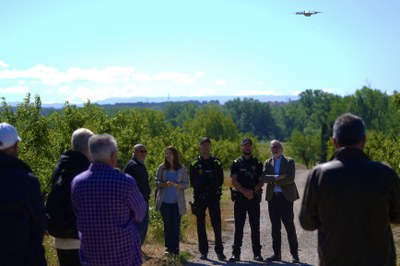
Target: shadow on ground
<point x="215" y="262"/>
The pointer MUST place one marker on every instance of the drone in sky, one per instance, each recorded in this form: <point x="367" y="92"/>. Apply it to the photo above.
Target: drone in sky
<point x="307" y="13"/>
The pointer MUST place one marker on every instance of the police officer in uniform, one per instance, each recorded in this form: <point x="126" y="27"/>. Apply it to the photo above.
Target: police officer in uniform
<point x="207" y="177"/>
<point x="245" y="173"/>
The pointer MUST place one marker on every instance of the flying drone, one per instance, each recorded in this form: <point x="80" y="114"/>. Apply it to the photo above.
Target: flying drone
<point x="307" y="13"/>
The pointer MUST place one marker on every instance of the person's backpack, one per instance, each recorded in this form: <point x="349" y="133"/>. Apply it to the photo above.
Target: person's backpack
<point x="61" y="221"/>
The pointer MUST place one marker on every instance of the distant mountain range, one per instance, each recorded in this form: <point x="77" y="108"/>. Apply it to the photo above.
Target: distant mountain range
<point x="220" y="99"/>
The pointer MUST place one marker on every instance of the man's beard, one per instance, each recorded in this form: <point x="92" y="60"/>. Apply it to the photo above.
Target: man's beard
<point x="247" y="153"/>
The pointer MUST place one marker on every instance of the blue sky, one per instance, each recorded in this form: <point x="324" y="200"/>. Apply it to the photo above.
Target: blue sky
<point x="90" y="49"/>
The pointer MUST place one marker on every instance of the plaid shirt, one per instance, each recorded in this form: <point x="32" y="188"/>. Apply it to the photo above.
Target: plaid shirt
<point x="107" y="203"/>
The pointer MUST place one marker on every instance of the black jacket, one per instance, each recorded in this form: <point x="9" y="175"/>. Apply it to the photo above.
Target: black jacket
<point x="22" y="216"/>
<point x="352" y="200"/>
<point x="138" y="171"/>
<point x="206" y="177"/>
<point x="70" y="165"/>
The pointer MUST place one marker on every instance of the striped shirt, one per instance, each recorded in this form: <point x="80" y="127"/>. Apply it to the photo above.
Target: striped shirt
<point x="107" y="203"/>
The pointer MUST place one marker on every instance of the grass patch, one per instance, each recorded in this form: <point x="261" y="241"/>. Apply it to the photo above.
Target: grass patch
<point x="50" y="251"/>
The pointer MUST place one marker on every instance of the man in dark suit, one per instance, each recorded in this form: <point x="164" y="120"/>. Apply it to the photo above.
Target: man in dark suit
<point x="351" y="201"/>
<point x="279" y="172"/>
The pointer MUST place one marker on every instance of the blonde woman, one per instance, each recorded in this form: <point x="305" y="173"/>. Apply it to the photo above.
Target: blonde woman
<point x="171" y="181"/>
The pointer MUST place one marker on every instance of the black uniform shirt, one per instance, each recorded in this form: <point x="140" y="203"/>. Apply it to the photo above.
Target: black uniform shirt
<point x="206" y="175"/>
<point x="248" y="171"/>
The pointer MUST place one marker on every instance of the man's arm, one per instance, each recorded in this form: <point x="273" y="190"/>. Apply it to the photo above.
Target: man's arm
<point x="220" y="172"/>
<point x="394" y="211"/>
<point x="260" y="183"/>
<point x="136" y="202"/>
<point x="37" y="212"/>
<point x="309" y="219"/>
<point x="288" y="177"/>
<point x="193" y="174"/>
<point x="248" y="193"/>
<point x="266" y="175"/>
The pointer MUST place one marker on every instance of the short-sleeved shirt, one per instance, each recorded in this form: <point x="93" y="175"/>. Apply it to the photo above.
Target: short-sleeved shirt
<point x="108" y="204"/>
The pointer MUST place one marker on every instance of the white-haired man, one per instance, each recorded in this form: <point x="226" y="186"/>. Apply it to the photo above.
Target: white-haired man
<point x="107" y="204"/>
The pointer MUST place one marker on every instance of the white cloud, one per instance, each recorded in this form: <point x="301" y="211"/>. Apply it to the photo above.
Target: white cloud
<point x="199" y="74"/>
<point x="3" y="64"/>
<point x="221" y="82"/>
<point x="79" y="84"/>
<point x="15" y="89"/>
<point x="53" y="77"/>
<point x="82" y="93"/>
<point x="260" y="82"/>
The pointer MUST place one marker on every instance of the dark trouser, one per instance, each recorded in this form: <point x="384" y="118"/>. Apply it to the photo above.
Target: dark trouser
<point x="280" y="209"/>
<point x="143" y="225"/>
<point x="68" y="257"/>
<point x="215" y="216"/>
<point x="252" y="207"/>
<point x="172" y="223"/>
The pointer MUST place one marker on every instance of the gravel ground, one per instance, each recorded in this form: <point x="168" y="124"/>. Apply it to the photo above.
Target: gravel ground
<point x="307" y="240"/>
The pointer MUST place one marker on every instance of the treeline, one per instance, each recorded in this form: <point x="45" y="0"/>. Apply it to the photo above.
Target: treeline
<point x="304" y="125"/>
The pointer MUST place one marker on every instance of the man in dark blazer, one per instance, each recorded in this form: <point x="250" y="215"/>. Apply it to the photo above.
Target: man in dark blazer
<point x="279" y="172"/>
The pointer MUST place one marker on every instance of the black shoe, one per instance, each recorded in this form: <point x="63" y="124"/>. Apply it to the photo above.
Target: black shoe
<point x="234" y="258"/>
<point x="296" y="259"/>
<point x="258" y="258"/>
<point x="275" y="258"/>
<point x="203" y="257"/>
<point x="221" y="256"/>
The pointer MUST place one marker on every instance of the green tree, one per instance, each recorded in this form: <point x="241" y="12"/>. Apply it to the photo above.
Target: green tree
<point x="177" y="113"/>
<point x="304" y="147"/>
<point x="252" y="116"/>
<point x="376" y="109"/>
<point x="384" y="147"/>
<point x="212" y="122"/>
<point x="289" y="117"/>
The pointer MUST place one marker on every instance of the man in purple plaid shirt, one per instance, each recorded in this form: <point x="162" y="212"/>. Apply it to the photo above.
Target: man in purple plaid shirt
<point x="107" y="204"/>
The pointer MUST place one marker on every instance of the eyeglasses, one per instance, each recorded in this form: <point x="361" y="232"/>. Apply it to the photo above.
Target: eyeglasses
<point x="143" y="151"/>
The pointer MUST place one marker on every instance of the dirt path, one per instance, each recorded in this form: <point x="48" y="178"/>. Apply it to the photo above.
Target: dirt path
<point x="307" y="240"/>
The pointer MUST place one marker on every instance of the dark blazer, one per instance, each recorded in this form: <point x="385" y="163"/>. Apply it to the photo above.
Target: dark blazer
<point x="352" y="200"/>
<point x="287" y="173"/>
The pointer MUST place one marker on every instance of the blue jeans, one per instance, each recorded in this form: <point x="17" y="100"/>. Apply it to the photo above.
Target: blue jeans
<point x="172" y="223"/>
<point x="143" y="226"/>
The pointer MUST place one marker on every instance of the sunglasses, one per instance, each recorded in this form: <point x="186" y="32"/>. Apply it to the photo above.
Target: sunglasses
<point x="142" y="151"/>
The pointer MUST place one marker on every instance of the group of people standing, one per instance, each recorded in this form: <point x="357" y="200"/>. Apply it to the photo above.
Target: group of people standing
<point x="99" y="215"/>
<point x="248" y="177"/>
